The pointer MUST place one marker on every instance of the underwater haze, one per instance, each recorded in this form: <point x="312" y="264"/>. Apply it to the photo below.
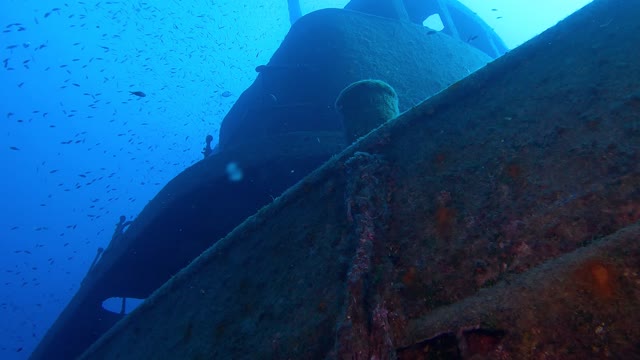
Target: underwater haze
<point x="104" y="102"/>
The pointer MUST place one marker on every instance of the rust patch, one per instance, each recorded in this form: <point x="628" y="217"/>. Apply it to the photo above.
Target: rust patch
<point x="409" y="277"/>
<point x="598" y="278"/>
<point x="445" y="219"/>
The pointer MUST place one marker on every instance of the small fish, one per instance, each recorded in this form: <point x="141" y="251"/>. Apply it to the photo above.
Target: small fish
<point x="227" y="93"/>
<point x="138" y="93"/>
<point x="13" y="148"/>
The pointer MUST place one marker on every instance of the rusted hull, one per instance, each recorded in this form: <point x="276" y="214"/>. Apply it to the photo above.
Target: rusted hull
<point x="495" y="220"/>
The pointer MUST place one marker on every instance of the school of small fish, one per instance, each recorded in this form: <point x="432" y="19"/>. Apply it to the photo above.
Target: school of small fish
<point x="103" y="103"/>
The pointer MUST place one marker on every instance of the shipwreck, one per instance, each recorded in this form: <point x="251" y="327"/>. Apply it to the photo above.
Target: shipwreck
<point x="457" y="204"/>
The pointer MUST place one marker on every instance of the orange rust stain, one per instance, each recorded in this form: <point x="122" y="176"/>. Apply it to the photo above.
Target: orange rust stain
<point x="445" y="218"/>
<point x="598" y="277"/>
<point x="409" y="278"/>
<point x="602" y="279"/>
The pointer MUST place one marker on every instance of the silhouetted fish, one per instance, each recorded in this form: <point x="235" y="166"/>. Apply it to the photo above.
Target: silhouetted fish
<point x="138" y="93"/>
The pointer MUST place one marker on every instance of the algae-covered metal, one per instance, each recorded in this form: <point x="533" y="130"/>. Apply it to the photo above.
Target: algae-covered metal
<point x="496" y="220"/>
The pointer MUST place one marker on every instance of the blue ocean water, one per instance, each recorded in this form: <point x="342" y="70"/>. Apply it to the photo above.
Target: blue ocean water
<point x="79" y="149"/>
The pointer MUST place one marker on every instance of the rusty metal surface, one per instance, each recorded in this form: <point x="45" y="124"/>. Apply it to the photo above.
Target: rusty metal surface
<point x="495" y="220"/>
